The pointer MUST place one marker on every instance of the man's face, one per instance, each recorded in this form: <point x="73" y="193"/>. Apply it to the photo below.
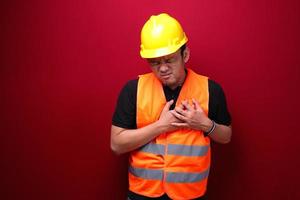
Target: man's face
<point x="169" y="69"/>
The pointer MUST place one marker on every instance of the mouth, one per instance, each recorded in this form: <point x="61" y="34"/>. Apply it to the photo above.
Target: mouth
<point x="165" y="76"/>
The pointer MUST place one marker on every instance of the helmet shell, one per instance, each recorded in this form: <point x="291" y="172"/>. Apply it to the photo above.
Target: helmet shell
<point x="161" y="35"/>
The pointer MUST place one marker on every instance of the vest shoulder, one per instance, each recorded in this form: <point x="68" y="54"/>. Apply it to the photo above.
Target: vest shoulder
<point x="195" y="74"/>
<point x="146" y="75"/>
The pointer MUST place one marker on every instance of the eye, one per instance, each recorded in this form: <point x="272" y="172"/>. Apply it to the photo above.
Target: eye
<point x="170" y="60"/>
<point x="154" y="63"/>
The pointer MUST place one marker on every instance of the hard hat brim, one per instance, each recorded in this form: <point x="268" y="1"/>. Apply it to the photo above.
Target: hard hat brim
<point x="155" y="53"/>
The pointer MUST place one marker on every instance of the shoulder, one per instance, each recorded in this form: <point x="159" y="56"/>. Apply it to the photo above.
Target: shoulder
<point x="131" y="85"/>
<point x="214" y="87"/>
<point x="124" y="115"/>
<point x="128" y="92"/>
<point x="129" y="88"/>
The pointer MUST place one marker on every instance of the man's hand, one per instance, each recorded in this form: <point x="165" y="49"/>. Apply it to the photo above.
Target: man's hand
<point x="191" y="116"/>
<point x="167" y="118"/>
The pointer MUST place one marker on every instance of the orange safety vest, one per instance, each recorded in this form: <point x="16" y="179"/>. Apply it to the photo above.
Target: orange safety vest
<point x="177" y="162"/>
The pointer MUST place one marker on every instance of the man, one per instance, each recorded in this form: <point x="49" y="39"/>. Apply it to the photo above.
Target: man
<point x="166" y="118"/>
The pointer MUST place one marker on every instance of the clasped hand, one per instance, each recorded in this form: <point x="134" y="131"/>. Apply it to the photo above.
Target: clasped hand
<point x="191" y="116"/>
<point x="185" y="116"/>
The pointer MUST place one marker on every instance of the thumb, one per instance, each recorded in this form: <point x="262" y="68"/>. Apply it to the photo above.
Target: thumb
<point x="167" y="106"/>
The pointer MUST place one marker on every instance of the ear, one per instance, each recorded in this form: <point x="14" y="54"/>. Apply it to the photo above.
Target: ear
<point x="186" y="55"/>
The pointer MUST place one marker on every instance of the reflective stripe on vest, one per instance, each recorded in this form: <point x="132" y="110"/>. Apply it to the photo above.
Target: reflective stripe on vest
<point x="171" y="177"/>
<point x="177" y="162"/>
<point x="175" y="149"/>
<point x="152" y="174"/>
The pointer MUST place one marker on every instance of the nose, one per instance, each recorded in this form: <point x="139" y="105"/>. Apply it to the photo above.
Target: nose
<point x="163" y="67"/>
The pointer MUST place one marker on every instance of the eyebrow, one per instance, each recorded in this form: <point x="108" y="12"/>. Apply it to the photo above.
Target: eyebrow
<point x="159" y="59"/>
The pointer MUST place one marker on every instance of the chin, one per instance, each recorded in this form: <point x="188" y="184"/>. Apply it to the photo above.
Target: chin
<point x="168" y="83"/>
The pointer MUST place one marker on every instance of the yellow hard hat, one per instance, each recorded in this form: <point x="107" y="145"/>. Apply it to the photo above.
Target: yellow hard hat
<point x="161" y="35"/>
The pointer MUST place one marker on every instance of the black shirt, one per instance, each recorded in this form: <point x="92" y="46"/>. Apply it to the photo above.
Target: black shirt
<point x="125" y="112"/>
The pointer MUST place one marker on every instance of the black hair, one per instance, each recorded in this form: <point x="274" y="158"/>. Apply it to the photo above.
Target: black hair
<point x="182" y="48"/>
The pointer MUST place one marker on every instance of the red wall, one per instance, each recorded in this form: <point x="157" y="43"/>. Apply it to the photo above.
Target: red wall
<point x="64" y="62"/>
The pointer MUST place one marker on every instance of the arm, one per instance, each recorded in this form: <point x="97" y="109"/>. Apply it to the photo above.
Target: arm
<point x="221" y="134"/>
<point x="194" y="117"/>
<point x="125" y="140"/>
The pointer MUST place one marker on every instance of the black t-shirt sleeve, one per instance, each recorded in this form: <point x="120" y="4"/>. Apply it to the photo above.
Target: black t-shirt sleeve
<point x="125" y="112"/>
<point x="217" y="104"/>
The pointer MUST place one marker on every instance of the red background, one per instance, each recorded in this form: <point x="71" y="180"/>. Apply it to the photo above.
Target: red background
<point x="64" y="62"/>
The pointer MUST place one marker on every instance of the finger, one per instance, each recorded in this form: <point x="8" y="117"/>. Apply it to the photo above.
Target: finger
<point x="186" y="105"/>
<point x="196" y="104"/>
<point x="179" y="110"/>
<point x="181" y="106"/>
<point x="178" y="124"/>
<point x="198" y="107"/>
<point x="167" y="106"/>
<point x="178" y="116"/>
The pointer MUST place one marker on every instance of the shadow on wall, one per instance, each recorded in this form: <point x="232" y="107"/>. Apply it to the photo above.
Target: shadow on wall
<point x="119" y="174"/>
<point x="225" y="167"/>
